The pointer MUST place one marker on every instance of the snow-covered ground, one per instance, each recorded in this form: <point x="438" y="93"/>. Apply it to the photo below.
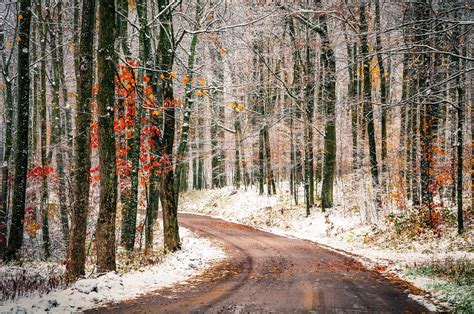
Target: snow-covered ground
<point x="197" y="254"/>
<point x="341" y="229"/>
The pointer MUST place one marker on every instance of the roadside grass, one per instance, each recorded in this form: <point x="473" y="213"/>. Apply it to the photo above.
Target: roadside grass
<point x="457" y="287"/>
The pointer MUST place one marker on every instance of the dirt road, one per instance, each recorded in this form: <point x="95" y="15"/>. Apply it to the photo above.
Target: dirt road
<point x="270" y="273"/>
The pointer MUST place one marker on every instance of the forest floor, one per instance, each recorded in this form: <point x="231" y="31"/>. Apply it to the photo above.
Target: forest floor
<point x="439" y="263"/>
<point x="34" y="287"/>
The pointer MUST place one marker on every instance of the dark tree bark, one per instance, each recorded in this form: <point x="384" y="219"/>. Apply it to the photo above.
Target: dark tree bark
<point x="76" y="256"/>
<point x="15" y="239"/>
<point x="105" y="233"/>
<point x="460" y="49"/>
<point x="309" y="115"/>
<point x="45" y="157"/>
<point x="238" y="149"/>
<point x="368" y="109"/>
<point x="261" y="163"/>
<point x="271" y="188"/>
<point x="168" y="201"/>
<point x="328" y="98"/>
<point x="384" y="87"/>
<point x="352" y="96"/>
<point x="153" y="202"/>
<point x="7" y="149"/>
<point x="76" y="39"/>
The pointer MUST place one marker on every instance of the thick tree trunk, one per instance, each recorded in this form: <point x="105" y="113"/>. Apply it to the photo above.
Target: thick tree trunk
<point x="328" y="97"/>
<point x="168" y="203"/>
<point x="76" y="256"/>
<point x="105" y="233"/>
<point x="15" y="239"/>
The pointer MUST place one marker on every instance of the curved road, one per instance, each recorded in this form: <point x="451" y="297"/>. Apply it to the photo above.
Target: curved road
<point x="270" y="273"/>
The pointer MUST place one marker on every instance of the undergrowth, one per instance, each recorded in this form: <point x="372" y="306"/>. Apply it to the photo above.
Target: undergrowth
<point x="19" y="282"/>
<point x="458" y="289"/>
<point x="127" y="262"/>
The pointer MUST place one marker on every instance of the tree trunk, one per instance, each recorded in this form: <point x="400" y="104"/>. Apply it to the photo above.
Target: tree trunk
<point x="271" y="188"/>
<point x="168" y="201"/>
<point x="76" y="256"/>
<point x="238" y="142"/>
<point x="15" y="239"/>
<point x="153" y="203"/>
<point x="188" y="102"/>
<point x="261" y="163"/>
<point x="45" y="160"/>
<point x="8" y="144"/>
<point x="67" y="121"/>
<point x="384" y="87"/>
<point x="328" y="97"/>
<point x="56" y="127"/>
<point x="404" y="112"/>
<point x="368" y="109"/>
<point x="460" y="89"/>
<point x="352" y="95"/>
<point x="429" y="109"/>
<point x="309" y="113"/>
<point x="105" y="233"/>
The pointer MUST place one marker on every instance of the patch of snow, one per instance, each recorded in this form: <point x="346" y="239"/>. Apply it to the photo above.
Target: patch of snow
<point x="196" y="255"/>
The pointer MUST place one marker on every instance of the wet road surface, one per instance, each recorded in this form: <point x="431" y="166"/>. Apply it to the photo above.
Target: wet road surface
<point x="267" y="273"/>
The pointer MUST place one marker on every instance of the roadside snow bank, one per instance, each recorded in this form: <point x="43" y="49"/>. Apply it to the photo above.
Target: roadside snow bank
<point x="195" y="256"/>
